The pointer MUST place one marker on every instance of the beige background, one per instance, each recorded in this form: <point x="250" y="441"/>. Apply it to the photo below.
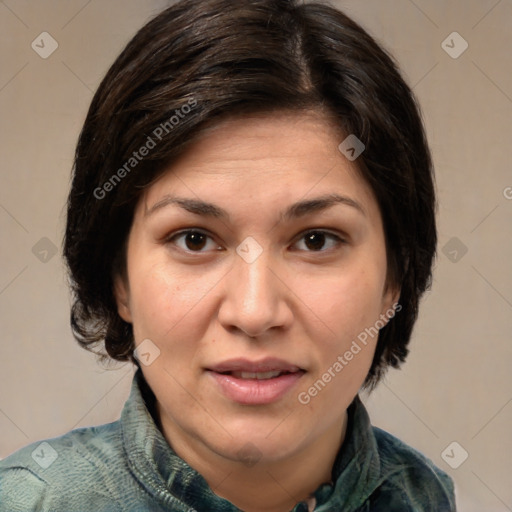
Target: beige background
<point x="456" y="385"/>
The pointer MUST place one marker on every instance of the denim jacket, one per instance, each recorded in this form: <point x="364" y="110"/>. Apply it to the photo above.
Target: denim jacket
<point x="128" y="466"/>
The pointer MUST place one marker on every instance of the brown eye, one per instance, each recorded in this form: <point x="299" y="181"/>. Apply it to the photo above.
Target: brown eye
<point x="315" y="240"/>
<point x="193" y="240"/>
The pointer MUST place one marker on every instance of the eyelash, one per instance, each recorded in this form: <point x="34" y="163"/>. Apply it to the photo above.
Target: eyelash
<point x="171" y="239"/>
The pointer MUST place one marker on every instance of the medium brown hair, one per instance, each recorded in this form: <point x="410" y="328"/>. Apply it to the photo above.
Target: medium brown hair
<point x="200" y="61"/>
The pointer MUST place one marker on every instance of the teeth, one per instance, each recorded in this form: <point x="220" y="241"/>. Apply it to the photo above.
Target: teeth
<point x="259" y="375"/>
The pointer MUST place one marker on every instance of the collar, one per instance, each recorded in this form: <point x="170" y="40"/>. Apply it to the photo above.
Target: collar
<point x="356" y="471"/>
<point x="167" y="477"/>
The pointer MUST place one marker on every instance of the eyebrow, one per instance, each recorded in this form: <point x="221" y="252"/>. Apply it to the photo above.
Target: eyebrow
<point x="296" y="210"/>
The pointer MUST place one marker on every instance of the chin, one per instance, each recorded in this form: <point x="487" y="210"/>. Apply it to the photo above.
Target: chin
<point x="250" y="452"/>
<point x="266" y="443"/>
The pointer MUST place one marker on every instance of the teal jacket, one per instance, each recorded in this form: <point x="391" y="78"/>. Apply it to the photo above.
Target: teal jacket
<point x="127" y="466"/>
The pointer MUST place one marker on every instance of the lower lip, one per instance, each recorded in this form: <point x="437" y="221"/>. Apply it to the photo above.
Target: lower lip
<point x="254" y="391"/>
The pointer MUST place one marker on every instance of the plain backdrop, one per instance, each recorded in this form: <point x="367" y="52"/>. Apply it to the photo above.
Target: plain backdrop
<point x="456" y="385"/>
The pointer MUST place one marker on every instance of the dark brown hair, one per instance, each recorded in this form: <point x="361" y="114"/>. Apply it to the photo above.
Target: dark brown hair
<point x="200" y="61"/>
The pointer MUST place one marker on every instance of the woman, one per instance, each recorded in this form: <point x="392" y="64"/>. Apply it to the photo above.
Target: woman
<point x="251" y="223"/>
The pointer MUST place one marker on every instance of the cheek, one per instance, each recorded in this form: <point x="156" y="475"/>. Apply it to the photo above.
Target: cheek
<point x="349" y="306"/>
<point x="345" y="303"/>
<point x="163" y="300"/>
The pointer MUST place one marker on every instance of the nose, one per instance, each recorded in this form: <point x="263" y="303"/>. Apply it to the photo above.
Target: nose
<point x="256" y="298"/>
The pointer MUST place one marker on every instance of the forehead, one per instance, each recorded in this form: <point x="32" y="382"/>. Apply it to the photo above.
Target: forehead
<point x="276" y="158"/>
<point x="276" y="136"/>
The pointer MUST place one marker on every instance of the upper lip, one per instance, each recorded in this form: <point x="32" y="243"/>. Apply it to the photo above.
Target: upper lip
<point x="269" y="364"/>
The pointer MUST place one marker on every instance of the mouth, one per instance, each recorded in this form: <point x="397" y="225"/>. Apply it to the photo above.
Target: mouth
<point x="256" y="375"/>
<point x="255" y="382"/>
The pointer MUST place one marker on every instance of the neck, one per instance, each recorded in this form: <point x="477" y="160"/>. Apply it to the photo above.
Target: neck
<point x="265" y="486"/>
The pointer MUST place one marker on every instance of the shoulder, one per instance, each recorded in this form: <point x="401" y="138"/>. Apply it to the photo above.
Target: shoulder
<point x="411" y="477"/>
<point x="44" y="474"/>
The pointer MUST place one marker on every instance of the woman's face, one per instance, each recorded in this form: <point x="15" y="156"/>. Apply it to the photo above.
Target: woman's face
<point x="248" y="285"/>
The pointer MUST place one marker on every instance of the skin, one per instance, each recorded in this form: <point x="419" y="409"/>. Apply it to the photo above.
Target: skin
<point x="201" y="303"/>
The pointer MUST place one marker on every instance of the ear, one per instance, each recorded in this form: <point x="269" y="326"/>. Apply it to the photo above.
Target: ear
<point x="389" y="301"/>
<point x="122" y="296"/>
